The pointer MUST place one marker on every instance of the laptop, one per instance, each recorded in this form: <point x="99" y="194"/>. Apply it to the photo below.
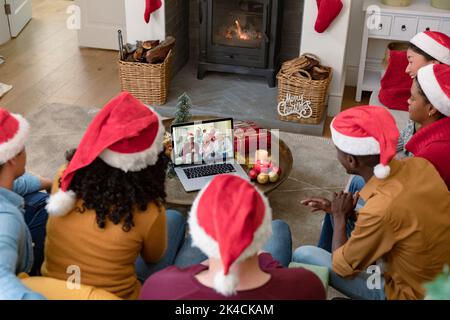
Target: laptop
<point x="202" y="150"/>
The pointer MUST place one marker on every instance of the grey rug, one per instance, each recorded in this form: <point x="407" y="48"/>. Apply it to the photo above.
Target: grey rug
<point x="56" y="128"/>
<point x="243" y="97"/>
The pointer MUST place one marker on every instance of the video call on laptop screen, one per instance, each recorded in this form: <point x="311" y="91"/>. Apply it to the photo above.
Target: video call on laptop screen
<point x="203" y="143"/>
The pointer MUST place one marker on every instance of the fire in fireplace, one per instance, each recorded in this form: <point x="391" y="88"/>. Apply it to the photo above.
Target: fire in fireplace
<point x="239" y="36"/>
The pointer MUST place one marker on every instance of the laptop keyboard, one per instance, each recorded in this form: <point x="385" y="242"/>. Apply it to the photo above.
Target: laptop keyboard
<point x="210" y="170"/>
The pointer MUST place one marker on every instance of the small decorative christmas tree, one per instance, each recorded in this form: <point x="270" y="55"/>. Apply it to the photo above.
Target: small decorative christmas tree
<point x="183" y="114"/>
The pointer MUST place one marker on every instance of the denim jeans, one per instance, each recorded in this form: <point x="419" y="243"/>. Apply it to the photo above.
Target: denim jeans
<point x="279" y="245"/>
<point x="36" y="217"/>
<point x="356" y="287"/>
<point x="326" y="235"/>
<point x="176" y="229"/>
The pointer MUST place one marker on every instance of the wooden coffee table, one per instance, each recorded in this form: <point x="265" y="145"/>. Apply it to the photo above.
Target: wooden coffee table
<point x="175" y="191"/>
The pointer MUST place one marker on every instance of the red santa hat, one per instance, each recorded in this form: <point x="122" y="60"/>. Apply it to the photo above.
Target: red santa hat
<point x="230" y="220"/>
<point x="436" y="44"/>
<point x="367" y="130"/>
<point x="434" y="79"/>
<point x="126" y="135"/>
<point x="13" y="134"/>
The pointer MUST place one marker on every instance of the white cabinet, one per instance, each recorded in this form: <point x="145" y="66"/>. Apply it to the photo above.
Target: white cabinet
<point x="397" y="24"/>
<point x="446" y="26"/>
<point x="383" y="28"/>
<point x="404" y="27"/>
<point x="429" y="24"/>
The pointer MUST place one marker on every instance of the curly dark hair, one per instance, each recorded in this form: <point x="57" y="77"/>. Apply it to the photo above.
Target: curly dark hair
<point x="115" y="194"/>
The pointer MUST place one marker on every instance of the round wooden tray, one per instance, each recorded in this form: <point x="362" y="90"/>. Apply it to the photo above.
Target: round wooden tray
<point x="175" y="191"/>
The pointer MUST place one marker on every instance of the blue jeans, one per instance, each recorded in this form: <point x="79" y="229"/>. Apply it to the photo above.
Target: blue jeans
<point x="355" y="288"/>
<point x="326" y="235"/>
<point x="279" y="245"/>
<point x="36" y="217"/>
<point x="176" y="229"/>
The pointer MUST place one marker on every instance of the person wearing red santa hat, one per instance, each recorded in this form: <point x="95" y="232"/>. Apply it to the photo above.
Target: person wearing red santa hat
<point x="432" y="143"/>
<point x="404" y="225"/>
<point x="190" y="152"/>
<point x="429" y="47"/>
<point x="233" y="228"/>
<point x="430" y="108"/>
<point x="107" y="204"/>
<point x="16" y="242"/>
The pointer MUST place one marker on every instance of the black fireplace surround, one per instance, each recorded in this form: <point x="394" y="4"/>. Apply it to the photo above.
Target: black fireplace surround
<point x="240" y="36"/>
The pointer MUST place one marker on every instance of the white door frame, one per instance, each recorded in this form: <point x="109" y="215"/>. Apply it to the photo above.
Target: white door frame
<point x="21" y="12"/>
<point x="5" y="34"/>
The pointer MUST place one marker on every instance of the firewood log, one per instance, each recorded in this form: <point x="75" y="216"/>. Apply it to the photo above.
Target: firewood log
<point x="159" y="53"/>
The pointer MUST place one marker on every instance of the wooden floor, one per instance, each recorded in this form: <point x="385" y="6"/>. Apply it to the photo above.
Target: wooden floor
<point x="45" y="65"/>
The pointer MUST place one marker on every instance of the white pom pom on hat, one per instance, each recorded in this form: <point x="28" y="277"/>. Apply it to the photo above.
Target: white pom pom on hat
<point x="226" y="284"/>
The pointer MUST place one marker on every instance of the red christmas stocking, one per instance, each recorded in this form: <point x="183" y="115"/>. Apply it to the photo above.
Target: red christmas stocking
<point x="328" y="11"/>
<point x="150" y="7"/>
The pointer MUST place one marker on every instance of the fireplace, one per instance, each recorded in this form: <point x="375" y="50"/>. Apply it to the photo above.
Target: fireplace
<point x="240" y="36"/>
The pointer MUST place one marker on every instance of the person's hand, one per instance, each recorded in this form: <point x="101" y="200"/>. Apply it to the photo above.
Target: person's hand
<point x="46" y="184"/>
<point x="343" y="205"/>
<point x="317" y="204"/>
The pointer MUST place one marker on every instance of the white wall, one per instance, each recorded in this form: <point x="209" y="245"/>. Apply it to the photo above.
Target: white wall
<point x="330" y="46"/>
<point x="137" y="29"/>
<point x="4" y="27"/>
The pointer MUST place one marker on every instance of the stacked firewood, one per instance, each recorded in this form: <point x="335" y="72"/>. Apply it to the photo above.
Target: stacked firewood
<point x="309" y="63"/>
<point x="150" y="51"/>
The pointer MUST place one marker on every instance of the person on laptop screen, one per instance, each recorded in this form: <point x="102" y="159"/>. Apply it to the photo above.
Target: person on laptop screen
<point x="190" y="152"/>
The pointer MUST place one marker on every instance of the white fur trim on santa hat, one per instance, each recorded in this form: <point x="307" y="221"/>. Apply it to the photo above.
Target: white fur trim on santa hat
<point x="433" y="90"/>
<point x="381" y="171"/>
<point x="61" y="203"/>
<point x="210" y="247"/>
<point x="226" y="284"/>
<point x="139" y="160"/>
<point x="432" y="47"/>
<point x="12" y="147"/>
<point x="355" y="146"/>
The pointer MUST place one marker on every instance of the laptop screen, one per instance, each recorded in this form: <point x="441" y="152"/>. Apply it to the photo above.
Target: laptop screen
<point x="203" y="142"/>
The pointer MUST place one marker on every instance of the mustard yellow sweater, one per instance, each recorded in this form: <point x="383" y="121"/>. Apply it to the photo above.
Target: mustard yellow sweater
<point x="104" y="257"/>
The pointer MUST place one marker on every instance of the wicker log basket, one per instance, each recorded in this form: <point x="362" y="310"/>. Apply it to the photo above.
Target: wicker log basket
<point x="297" y="84"/>
<point x="147" y="82"/>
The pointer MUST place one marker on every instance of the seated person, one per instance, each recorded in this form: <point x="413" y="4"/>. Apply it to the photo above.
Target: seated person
<point x="430" y="108"/>
<point x="230" y="221"/>
<point x="106" y="207"/>
<point x="425" y="48"/>
<point x="404" y="225"/>
<point x="16" y="247"/>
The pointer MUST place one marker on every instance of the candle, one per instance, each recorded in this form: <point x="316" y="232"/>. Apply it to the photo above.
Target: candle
<point x="262" y="155"/>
